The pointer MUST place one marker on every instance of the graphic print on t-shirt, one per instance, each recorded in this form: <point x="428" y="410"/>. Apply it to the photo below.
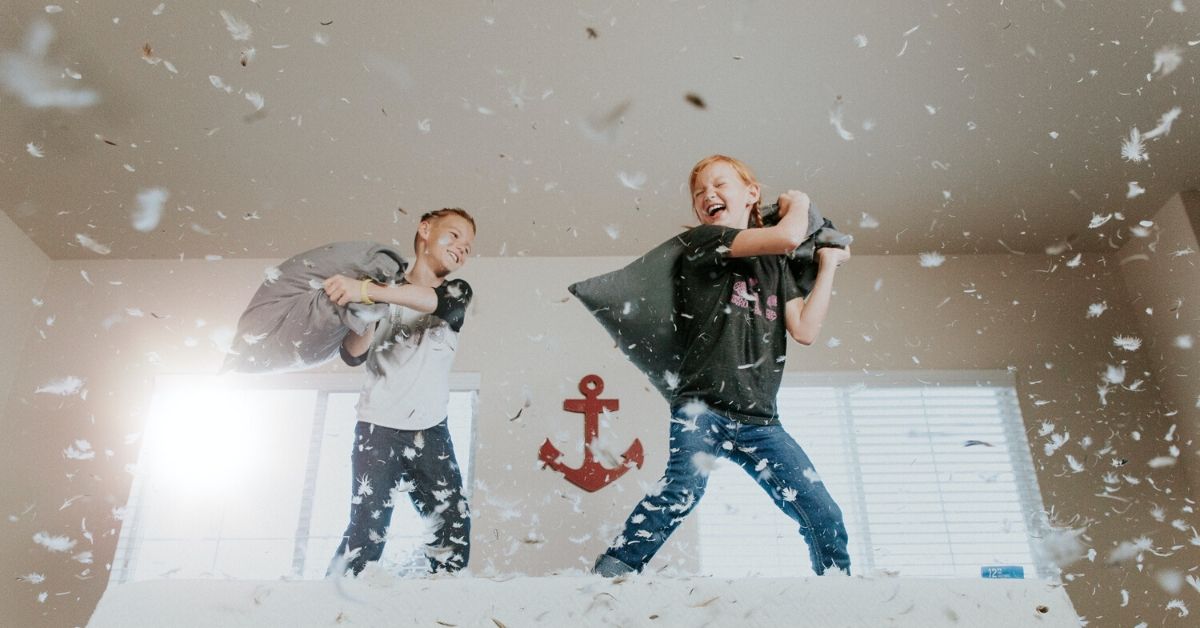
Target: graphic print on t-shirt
<point x="748" y="300"/>
<point x="412" y="328"/>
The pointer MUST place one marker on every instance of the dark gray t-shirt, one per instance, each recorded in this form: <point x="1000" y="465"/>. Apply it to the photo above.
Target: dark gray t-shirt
<point x="731" y="312"/>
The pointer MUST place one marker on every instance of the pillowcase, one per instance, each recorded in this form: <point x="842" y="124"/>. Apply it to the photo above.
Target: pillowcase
<point x="290" y="324"/>
<point x="636" y="304"/>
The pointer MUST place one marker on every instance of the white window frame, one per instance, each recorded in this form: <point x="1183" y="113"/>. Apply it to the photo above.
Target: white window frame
<point x="323" y="384"/>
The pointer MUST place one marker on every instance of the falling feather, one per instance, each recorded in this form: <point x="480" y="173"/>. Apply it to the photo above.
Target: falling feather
<point x="54" y="543"/>
<point x="1061" y="545"/>
<point x="603" y="127"/>
<point x="1166" y="60"/>
<point x="1076" y="466"/>
<point x="1114" y="374"/>
<point x="92" y="245"/>
<point x="1128" y="343"/>
<point x="1193" y="581"/>
<point x="149" y="210"/>
<point x="633" y="181"/>
<point x="932" y="259"/>
<point x="1056" y="442"/>
<point x="255" y="99"/>
<point x="704" y="462"/>
<point x="220" y="84"/>
<point x="39" y="85"/>
<point x="64" y="387"/>
<point x="149" y="57"/>
<point x="835" y="118"/>
<point x="80" y="450"/>
<point x="239" y="30"/>
<point x="1134" y="148"/>
<point x="1164" y="124"/>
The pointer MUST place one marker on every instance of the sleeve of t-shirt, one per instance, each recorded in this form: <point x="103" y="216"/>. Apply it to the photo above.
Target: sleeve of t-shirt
<point x="354" y="360"/>
<point x="453" y="298"/>
<point x="708" y="244"/>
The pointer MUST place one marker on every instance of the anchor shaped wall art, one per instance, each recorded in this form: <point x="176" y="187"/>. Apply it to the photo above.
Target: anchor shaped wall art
<point x="591" y="476"/>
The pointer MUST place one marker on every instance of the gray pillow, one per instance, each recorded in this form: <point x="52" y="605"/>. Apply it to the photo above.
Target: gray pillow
<point x="636" y="304"/>
<point x="290" y="324"/>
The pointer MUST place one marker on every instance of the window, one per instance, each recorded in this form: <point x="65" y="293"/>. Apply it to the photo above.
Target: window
<point x="932" y="472"/>
<point x="249" y="477"/>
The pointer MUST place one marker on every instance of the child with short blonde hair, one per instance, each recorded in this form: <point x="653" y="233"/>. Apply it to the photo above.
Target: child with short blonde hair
<point x="401" y="439"/>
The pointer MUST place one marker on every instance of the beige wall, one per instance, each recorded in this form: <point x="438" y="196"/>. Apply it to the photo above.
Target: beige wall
<point x="1162" y="275"/>
<point x="23" y="269"/>
<point x="1026" y="313"/>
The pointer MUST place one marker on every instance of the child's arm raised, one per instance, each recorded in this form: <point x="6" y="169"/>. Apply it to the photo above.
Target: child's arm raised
<point x="778" y="239"/>
<point x="342" y="290"/>
<point x="804" y="318"/>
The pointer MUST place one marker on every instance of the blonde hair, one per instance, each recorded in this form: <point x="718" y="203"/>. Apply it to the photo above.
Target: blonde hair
<point x="744" y="173"/>
<point x="442" y="213"/>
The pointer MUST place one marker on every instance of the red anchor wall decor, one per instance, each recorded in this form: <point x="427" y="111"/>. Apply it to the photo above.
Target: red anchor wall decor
<point x="591" y="476"/>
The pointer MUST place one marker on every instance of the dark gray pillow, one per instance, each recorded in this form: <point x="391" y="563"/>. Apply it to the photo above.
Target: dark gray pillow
<point x="636" y="304"/>
<point x="290" y="324"/>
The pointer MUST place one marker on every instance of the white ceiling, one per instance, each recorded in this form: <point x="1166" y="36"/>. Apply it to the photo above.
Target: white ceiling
<point x="977" y="126"/>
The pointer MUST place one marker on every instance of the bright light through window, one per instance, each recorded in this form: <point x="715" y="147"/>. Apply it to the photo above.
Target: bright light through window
<point x="250" y="478"/>
<point x="204" y="439"/>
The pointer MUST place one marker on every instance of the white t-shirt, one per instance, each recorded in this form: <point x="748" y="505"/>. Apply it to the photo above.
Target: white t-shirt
<point x="408" y="371"/>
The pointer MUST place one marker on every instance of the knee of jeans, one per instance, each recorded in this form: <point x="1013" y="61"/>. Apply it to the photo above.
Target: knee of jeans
<point x="678" y="496"/>
<point x="610" y="567"/>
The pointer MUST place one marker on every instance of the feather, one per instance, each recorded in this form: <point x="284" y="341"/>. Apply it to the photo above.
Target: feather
<point x="92" y="245"/>
<point x="54" y="543"/>
<point x="932" y="259"/>
<point x="240" y="30"/>
<point x="150" y="208"/>
<point x="64" y="387"/>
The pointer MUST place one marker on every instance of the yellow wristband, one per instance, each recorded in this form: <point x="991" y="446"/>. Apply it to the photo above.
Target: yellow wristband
<point x="363" y="290"/>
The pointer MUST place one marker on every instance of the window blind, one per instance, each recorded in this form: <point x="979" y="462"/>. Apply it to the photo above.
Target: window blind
<point x="932" y="472"/>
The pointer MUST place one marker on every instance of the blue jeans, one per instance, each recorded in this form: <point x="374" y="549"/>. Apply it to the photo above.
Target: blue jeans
<point x="421" y="462"/>
<point x="767" y="453"/>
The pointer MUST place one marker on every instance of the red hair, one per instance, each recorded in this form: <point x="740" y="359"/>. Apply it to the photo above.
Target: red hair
<point x="744" y="173"/>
